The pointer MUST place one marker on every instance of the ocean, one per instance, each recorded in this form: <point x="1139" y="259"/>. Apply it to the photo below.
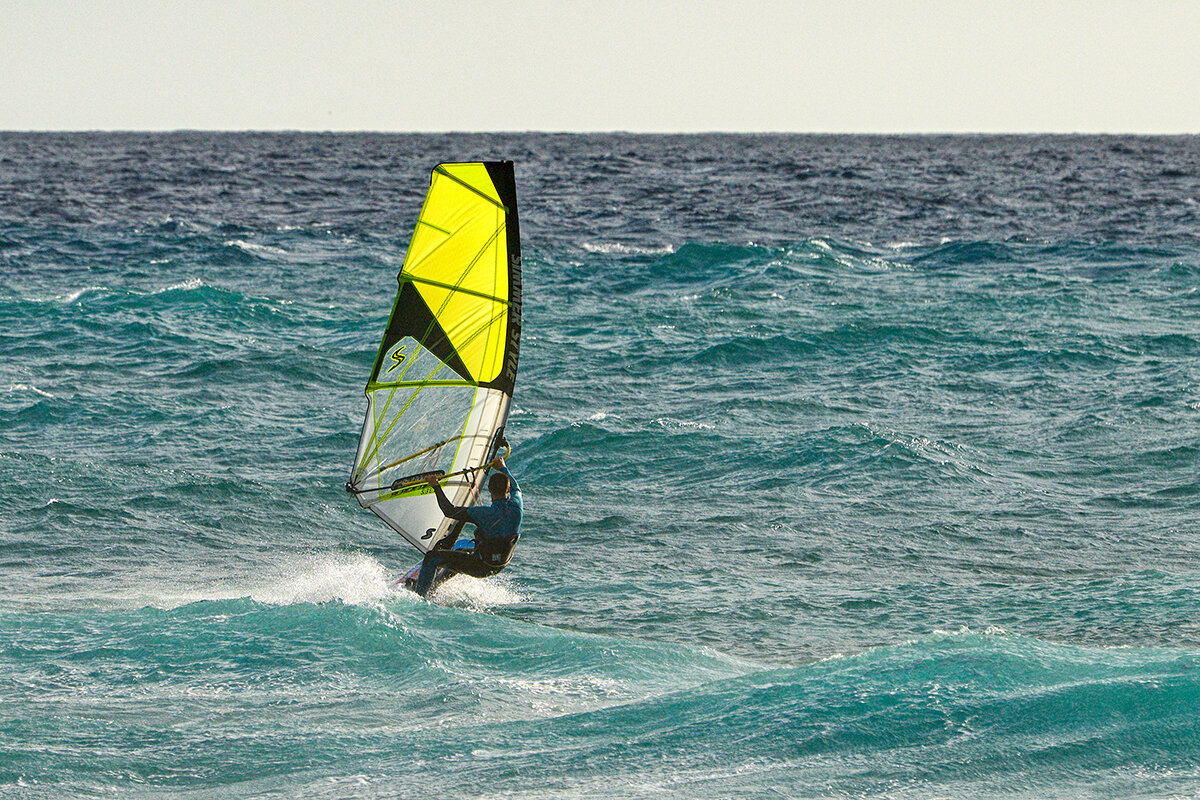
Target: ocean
<point x="854" y="467"/>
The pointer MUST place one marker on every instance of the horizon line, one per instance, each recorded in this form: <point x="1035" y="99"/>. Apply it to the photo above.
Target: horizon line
<point x="598" y="132"/>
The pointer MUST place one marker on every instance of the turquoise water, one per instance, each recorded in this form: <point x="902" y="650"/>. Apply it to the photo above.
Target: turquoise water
<point x="855" y="467"/>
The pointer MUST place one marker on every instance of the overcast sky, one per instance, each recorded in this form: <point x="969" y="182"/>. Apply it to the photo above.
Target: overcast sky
<point x="637" y="65"/>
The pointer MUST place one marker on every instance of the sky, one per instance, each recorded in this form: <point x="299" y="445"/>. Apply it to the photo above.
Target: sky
<point x="892" y="66"/>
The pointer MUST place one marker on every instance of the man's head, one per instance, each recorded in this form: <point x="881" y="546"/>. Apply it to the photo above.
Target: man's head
<point x="498" y="485"/>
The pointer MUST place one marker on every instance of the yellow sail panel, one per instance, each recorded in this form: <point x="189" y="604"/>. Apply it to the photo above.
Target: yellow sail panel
<point x="459" y="262"/>
<point x="460" y="238"/>
<point x="473" y="175"/>
<point x="476" y="326"/>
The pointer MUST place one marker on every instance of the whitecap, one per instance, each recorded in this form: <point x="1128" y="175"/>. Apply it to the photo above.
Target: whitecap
<point x="27" y="387"/>
<point x="186" y="286"/>
<point x="671" y="422"/>
<point x="73" y="296"/>
<point x="254" y="248"/>
<point x="616" y="248"/>
<point x="67" y="298"/>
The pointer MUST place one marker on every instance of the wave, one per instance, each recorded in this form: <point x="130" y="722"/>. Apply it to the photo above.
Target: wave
<point x="386" y="689"/>
<point x="102" y="299"/>
<point x="382" y="683"/>
<point x="985" y="715"/>
<point x="297" y="627"/>
<point x="749" y="268"/>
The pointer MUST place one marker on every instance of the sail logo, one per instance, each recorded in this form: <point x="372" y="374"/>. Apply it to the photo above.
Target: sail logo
<point x="398" y="357"/>
<point x="514" y="317"/>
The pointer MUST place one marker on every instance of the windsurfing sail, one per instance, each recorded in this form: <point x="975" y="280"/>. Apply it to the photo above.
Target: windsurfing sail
<point x="441" y="388"/>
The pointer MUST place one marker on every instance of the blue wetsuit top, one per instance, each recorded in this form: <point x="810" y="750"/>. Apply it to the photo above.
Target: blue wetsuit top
<point x="497" y="527"/>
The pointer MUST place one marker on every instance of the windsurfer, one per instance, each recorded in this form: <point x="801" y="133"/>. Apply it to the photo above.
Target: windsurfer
<point x="497" y="528"/>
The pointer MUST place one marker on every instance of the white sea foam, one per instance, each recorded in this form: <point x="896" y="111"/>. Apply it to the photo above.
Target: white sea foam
<point x="354" y="578"/>
<point x="188" y="285"/>
<point x="966" y="630"/>
<point x="73" y="296"/>
<point x="27" y="387"/>
<point x="68" y="298"/>
<point x="671" y="422"/>
<point x="324" y="577"/>
<point x="616" y="248"/>
<point x="467" y="592"/>
<point x="256" y="249"/>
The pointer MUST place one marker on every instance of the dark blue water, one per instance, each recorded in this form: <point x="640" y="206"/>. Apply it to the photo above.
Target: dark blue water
<point x="855" y="467"/>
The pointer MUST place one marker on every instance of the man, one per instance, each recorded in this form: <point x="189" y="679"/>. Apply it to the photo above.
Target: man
<point x="497" y="528"/>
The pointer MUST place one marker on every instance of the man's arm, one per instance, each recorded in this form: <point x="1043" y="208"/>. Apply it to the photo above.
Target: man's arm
<point x="499" y="465"/>
<point x="514" y="489"/>
<point x="449" y="509"/>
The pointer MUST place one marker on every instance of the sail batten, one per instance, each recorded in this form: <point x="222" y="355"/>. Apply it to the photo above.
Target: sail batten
<point x="441" y="386"/>
<point x="484" y="295"/>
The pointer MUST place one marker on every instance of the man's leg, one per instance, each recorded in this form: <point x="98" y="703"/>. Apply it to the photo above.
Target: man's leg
<point x="429" y="568"/>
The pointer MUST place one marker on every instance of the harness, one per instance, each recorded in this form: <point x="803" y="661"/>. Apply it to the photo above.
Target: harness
<point x="496" y="552"/>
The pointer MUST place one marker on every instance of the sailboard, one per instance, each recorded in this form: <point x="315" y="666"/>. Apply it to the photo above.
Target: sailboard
<point x="440" y="390"/>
